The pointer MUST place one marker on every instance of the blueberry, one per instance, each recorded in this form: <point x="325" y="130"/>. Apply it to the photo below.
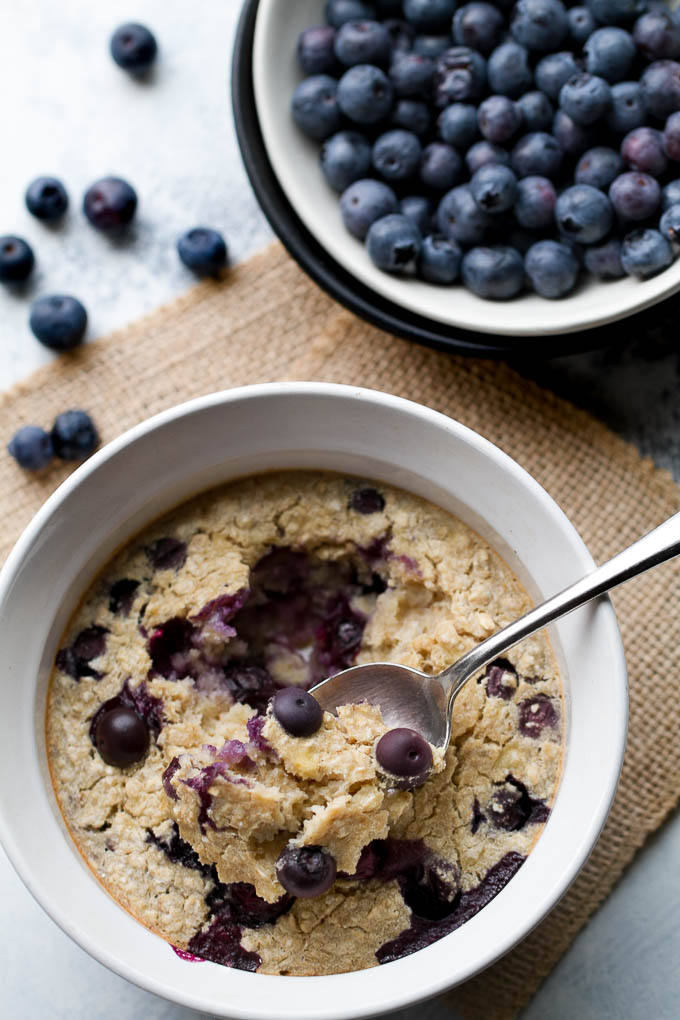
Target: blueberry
<point x="366" y="501"/>
<point x="203" y="250"/>
<point x="16" y="259"/>
<point x="643" y="149"/>
<point x="610" y="53"/>
<point x="583" y="214"/>
<point x="363" y="203"/>
<point x="585" y="98"/>
<point x="511" y="807"/>
<point x="573" y="138"/>
<point x="604" y="260"/>
<point x="494" y="188"/>
<point x="365" y="94"/>
<point x="306" y="871"/>
<point x="554" y="71"/>
<point x="501" y="680"/>
<point x="429" y="15"/>
<point x="363" y="42"/>
<point x="315" y="106"/>
<point x="411" y="115"/>
<point x="133" y="47"/>
<point x="552" y="268"/>
<point x="121" y="737"/>
<point x="431" y="46"/>
<point x="657" y="35"/>
<point x="535" y="203"/>
<point x="316" y="50"/>
<point x="404" y="753"/>
<point x="402" y="36"/>
<point x="396" y="155"/>
<point x="539" y="24"/>
<point x="644" y="253"/>
<point x="482" y="153"/>
<point x="411" y="74"/>
<point x="439" y="259"/>
<point x="508" y="70"/>
<point x="670" y="225"/>
<point x="46" y="199"/>
<point x="417" y="209"/>
<point x="459" y="217"/>
<point x="671" y="137"/>
<point x="535" y="714"/>
<point x="122" y="595"/>
<point x="58" y="321"/>
<point x="297" y="711"/>
<point x="110" y="203"/>
<point x="499" y="118"/>
<point x="345" y="158"/>
<point x="598" y="167"/>
<point x="581" y="24"/>
<point x="670" y="195"/>
<point x="31" y="447"/>
<point x="538" y="153"/>
<point x="660" y="83"/>
<point x="629" y="107"/>
<point x="457" y="125"/>
<point x="440" y="166"/>
<point x="74" y="435"/>
<point x="167" y="554"/>
<point x="478" y="25"/>
<point x="340" y="11"/>
<point x="460" y="75"/>
<point x="393" y="243"/>
<point x="635" y="196"/>
<point x="496" y="273"/>
<point x="616" y="12"/>
<point x="536" y="110"/>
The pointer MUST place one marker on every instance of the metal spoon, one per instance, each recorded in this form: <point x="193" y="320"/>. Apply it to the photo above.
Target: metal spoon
<point x="424" y="703"/>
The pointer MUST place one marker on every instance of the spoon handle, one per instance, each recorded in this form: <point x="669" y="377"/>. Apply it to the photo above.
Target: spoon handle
<point x="658" y="546"/>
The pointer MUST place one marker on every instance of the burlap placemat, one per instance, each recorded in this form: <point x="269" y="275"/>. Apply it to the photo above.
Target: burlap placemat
<point x="267" y="321"/>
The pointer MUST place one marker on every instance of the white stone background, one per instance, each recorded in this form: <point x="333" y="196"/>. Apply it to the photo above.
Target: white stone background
<point x="67" y="110"/>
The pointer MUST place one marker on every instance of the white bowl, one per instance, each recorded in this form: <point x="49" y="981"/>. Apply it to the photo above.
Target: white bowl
<point x="295" y="161"/>
<point x="260" y="428"/>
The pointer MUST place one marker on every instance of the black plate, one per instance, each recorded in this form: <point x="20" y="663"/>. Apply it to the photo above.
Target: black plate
<point x="349" y="291"/>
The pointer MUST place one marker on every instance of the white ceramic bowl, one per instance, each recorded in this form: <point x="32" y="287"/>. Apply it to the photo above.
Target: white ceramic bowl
<point x="295" y="161"/>
<point x="259" y="428"/>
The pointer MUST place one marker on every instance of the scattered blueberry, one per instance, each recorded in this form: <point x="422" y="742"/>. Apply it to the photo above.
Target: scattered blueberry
<point x="417" y="208"/>
<point x="411" y="115"/>
<point x="429" y="15"/>
<point x="440" y="166"/>
<point x="396" y="155"/>
<point x="110" y="203"/>
<point x="297" y="711"/>
<point x="364" y="94"/>
<point x="121" y="737"/>
<point x="203" y="250"/>
<point x="508" y="70"/>
<point x="539" y="24"/>
<point x="411" y="74"/>
<point x="535" y="714"/>
<point x="536" y="111"/>
<point x="610" y="53"/>
<point x="460" y="76"/>
<point x="604" y="260"/>
<point x="16" y="259"/>
<point x="122" y="595"/>
<point x="362" y="42"/>
<point x="58" y="321"/>
<point x="644" y="253"/>
<point x="74" y="435"/>
<point x="670" y="225"/>
<point x="511" y="807"/>
<point x="306" y="871"/>
<point x="482" y="153"/>
<point x="585" y="98"/>
<point x="316" y="50"/>
<point x="315" y="106"/>
<point x="671" y="137"/>
<point x="552" y="268"/>
<point x="537" y="154"/>
<point x="478" y="25"/>
<point x="494" y="188"/>
<point x="133" y="47"/>
<point x="501" y="680"/>
<point x="635" y="196"/>
<point x="46" y="199"/>
<point x="366" y="501"/>
<point x="345" y="158"/>
<point x="499" y="118"/>
<point x="643" y="149"/>
<point x="459" y="217"/>
<point x="439" y="259"/>
<point x="496" y="273"/>
<point x="31" y="447"/>
<point x="340" y="11"/>
<point x="581" y="24"/>
<point x="660" y="83"/>
<point x="657" y="35"/>
<point x="404" y="753"/>
<point x="554" y="70"/>
<point x="584" y="214"/>
<point x="393" y="243"/>
<point x="535" y="203"/>
<point x="628" y="108"/>
<point x="598" y="167"/>
<point x="363" y="203"/>
<point x="457" y="124"/>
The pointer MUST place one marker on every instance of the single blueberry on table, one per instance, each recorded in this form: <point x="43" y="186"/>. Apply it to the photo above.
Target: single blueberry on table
<point x="31" y="447"/>
<point x="482" y="153"/>
<point x="431" y="46"/>
<point x="657" y="35"/>
<point x="535" y="203"/>
<point x="362" y="42"/>
<point x="306" y="871"/>
<point x="598" y="167"/>
<point x="644" y="253"/>
<point x="340" y="11"/>
<point x="584" y="214"/>
<point x="628" y="108"/>
<point x="74" y="435"/>
<point x="552" y="268"/>
<point x="494" y="188"/>
<point x="616" y="12"/>
<point x="460" y="76"/>
<point x="536" y="110"/>
<point x="133" y="47"/>
<point x="671" y="137"/>
<point x="585" y="98"/>
<point x="508" y="70"/>
<point x="440" y="166"/>
<point x="581" y="24"/>
<point x="610" y="53"/>
<point x="203" y="250"/>
<point x="366" y="501"/>
<point x="121" y="737"/>
<point x="457" y="125"/>
<point x="670" y="195"/>
<point x="643" y="149"/>
<point x="110" y="203"/>
<point x="46" y="199"/>
<point x="429" y="15"/>
<point x="316" y="50"/>
<point x="315" y="106"/>
<point x="439" y="259"/>
<point x="478" y="25"/>
<point x="573" y="138"/>
<point x="537" y="154"/>
<point x="604" y="260"/>
<point x="297" y="711"/>
<point x="411" y="115"/>
<point x="554" y="71"/>
<point x="344" y="158"/>
<point x="411" y="74"/>
<point x="660" y="83"/>
<point x="459" y="217"/>
<point x="669" y="225"/>
<point x="499" y="118"/>
<point x="396" y="155"/>
<point x="16" y="259"/>
<point x="417" y="208"/>
<point x="496" y="272"/>
<point x="58" y="321"/>
<point x="539" y="24"/>
<point x="634" y="195"/>
<point x="364" y="94"/>
<point x="363" y="203"/>
<point x="393" y="243"/>
<point x="404" y="753"/>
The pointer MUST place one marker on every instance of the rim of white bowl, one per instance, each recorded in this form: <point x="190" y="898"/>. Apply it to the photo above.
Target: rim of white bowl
<point x="332" y="1003"/>
<point x="294" y="159"/>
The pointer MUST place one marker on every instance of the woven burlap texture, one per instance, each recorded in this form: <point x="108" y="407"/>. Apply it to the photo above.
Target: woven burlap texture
<point x="267" y="322"/>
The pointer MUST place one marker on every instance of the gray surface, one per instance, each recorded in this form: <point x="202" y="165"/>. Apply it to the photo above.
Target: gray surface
<point x="67" y="110"/>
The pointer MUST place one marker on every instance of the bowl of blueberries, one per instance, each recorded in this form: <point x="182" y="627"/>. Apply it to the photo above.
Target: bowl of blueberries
<point x="498" y="170"/>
